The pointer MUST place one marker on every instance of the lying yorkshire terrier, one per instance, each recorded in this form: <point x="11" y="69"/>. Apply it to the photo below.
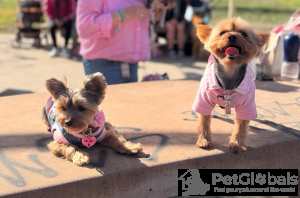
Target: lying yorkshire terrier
<point x="75" y="121"/>
<point x="228" y="79"/>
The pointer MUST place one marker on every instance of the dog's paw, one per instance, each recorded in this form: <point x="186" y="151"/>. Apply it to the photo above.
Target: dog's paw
<point x="131" y="148"/>
<point x="235" y="147"/>
<point x="203" y="143"/>
<point x="55" y="148"/>
<point x="80" y="158"/>
<point x="122" y="139"/>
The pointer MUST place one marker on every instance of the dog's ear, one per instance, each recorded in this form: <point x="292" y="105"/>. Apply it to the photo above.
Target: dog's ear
<point x="55" y="87"/>
<point x="203" y="32"/>
<point x="263" y="38"/>
<point x="96" y="85"/>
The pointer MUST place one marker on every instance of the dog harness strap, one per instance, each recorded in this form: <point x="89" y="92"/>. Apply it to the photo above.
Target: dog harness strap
<point x="76" y="140"/>
<point x="227" y="98"/>
<point x="227" y="103"/>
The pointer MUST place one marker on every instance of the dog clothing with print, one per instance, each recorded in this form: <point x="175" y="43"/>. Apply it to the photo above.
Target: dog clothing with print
<point x="61" y="135"/>
<point x="242" y="97"/>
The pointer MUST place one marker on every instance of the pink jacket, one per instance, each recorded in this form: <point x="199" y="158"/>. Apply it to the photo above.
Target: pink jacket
<point x="99" y="40"/>
<point x="66" y="11"/>
<point x="243" y="97"/>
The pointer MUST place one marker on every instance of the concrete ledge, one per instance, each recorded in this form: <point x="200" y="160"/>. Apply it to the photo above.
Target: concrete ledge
<point x="157" y="114"/>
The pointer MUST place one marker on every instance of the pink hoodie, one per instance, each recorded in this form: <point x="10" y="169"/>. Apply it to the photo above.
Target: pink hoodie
<point x="99" y="40"/>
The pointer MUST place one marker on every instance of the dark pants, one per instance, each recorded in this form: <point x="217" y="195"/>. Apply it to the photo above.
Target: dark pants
<point x="68" y="26"/>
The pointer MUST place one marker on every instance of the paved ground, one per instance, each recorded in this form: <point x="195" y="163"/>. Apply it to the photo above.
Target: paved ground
<point x="25" y="69"/>
<point x="159" y="116"/>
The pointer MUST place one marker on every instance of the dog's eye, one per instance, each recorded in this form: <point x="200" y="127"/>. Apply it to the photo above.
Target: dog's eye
<point x="63" y="108"/>
<point x="81" y="108"/>
<point x="244" y="34"/>
<point x="222" y="33"/>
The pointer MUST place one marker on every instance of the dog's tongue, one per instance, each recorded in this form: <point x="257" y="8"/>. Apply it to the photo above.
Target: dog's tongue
<point x="232" y="51"/>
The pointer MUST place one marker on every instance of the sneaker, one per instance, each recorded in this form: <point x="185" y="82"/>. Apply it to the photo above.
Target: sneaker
<point x="172" y="54"/>
<point x="54" y="52"/>
<point x="181" y="54"/>
<point x="65" y="53"/>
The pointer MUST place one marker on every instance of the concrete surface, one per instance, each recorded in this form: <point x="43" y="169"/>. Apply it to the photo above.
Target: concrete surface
<point x="157" y="114"/>
<point x="25" y="69"/>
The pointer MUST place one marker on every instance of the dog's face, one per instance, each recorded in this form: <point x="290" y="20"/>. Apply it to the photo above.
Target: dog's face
<point x="232" y="41"/>
<point x="77" y="108"/>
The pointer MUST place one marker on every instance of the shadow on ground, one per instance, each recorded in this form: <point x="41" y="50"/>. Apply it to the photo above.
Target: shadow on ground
<point x="10" y="92"/>
<point x="274" y="86"/>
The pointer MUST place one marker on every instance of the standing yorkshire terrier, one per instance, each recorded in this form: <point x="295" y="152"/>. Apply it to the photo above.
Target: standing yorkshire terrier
<point x="228" y="79"/>
<point x="75" y="121"/>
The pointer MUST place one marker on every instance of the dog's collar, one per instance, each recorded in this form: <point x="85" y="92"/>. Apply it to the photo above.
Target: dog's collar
<point x="225" y="82"/>
<point x="88" y="137"/>
<point x="87" y="132"/>
<point x="212" y="82"/>
<point x="85" y="141"/>
<point x="99" y="121"/>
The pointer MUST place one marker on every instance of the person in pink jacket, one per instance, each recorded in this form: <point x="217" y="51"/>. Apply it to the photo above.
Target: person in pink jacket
<point x="60" y="14"/>
<point x="114" y="36"/>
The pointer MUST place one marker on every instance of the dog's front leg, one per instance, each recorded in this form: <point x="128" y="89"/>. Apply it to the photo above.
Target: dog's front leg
<point x="70" y="152"/>
<point x="237" y="141"/>
<point x="119" y="143"/>
<point x="204" y="133"/>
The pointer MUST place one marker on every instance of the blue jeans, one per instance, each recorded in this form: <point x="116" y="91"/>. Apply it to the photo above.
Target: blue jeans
<point x="111" y="70"/>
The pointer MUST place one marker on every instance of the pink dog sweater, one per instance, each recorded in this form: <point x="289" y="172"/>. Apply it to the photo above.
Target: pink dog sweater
<point x="242" y="97"/>
<point x="61" y="135"/>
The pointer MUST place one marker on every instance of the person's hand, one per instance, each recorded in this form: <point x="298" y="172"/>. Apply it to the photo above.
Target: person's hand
<point x="136" y="13"/>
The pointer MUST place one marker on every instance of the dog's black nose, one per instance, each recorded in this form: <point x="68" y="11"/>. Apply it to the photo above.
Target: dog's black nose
<point x="231" y="38"/>
<point x="68" y="122"/>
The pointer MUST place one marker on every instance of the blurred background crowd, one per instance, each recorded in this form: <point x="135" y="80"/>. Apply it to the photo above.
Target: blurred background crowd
<point x="172" y="22"/>
<point x="168" y="38"/>
<point x="168" y="28"/>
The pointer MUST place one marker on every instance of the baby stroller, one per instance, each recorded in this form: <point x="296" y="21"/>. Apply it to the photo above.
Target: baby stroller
<point x="29" y="18"/>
